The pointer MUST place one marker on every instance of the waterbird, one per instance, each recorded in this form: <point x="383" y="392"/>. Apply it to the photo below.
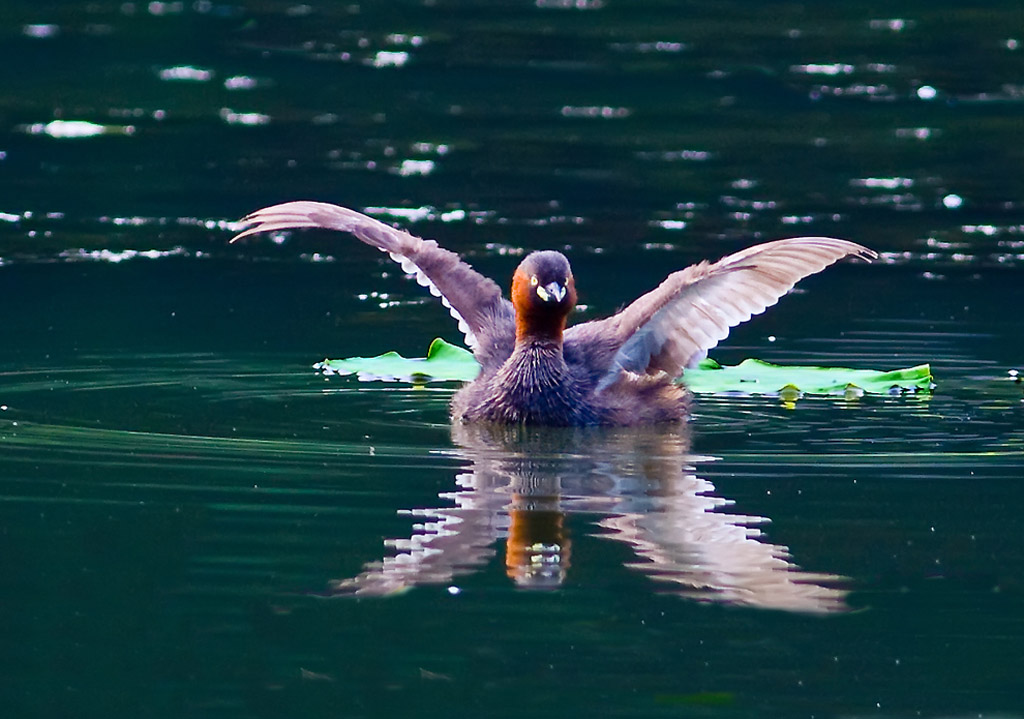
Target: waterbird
<point x="615" y="371"/>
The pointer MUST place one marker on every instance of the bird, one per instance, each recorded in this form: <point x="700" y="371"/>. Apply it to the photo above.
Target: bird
<point x="615" y="371"/>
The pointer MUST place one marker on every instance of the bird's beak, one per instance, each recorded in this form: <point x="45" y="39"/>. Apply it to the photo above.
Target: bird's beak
<point x="551" y="292"/>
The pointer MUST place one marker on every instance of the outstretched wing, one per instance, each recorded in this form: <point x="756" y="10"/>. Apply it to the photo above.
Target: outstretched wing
<point x="475" y="301"/>
<point x="673" y="326"/>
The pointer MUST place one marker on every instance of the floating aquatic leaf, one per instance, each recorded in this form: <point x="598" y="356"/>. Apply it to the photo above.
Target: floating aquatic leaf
<point x="443" y="362"/>
<point x="446" y="361"/>
<point x="752" y="376"/>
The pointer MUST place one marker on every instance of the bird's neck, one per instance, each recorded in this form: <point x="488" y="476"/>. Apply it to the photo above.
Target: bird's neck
<point x="540" y="329"/>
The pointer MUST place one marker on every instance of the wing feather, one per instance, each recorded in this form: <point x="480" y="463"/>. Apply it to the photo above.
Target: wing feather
<point x="673" y="326"/>
<point x="474" y="301"/>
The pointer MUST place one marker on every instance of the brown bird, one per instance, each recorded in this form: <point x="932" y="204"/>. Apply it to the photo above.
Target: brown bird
<point x="613" y="371"/>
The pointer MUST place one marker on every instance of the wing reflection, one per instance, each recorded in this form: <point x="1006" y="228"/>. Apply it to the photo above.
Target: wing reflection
<point x="523" y="483"/>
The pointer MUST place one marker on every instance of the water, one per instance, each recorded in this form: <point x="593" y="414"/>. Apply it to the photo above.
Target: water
<point x="188" y="510"/>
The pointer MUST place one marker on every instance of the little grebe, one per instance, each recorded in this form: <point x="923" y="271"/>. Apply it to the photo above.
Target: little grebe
<point x="613" y="371"/>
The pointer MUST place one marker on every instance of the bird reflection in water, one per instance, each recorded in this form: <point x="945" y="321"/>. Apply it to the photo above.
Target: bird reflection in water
<point x="523" y="483"/>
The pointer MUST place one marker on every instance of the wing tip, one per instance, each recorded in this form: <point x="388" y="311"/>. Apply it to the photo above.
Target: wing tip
<point x="865" y="253"/>
<point x="850" y="248"/>
<point x="291" y="215"/>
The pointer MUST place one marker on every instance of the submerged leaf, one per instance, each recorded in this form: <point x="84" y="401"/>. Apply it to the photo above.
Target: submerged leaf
<point x="446" y="361"/>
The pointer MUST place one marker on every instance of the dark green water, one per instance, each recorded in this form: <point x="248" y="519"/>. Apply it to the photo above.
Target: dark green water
<point x="193" y="523"/>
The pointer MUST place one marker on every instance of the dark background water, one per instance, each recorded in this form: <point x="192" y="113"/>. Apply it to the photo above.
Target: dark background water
<point x="181" y="493"/>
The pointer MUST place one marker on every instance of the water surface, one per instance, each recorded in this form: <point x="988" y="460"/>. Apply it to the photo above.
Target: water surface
<point x="194" y="523"/>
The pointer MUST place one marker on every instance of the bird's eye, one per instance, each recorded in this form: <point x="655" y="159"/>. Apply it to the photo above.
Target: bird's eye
<point x="533" y="281"/>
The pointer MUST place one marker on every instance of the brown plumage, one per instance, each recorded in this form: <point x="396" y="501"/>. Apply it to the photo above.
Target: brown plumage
<point x="614" y="371"/>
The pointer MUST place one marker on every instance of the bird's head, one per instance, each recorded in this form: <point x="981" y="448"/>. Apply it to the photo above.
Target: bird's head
<point x="543" y="293"/>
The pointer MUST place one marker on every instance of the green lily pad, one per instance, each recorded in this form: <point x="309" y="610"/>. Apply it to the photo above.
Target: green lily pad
<point x="445" y="362"/>
<point x="752" y="376"/>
